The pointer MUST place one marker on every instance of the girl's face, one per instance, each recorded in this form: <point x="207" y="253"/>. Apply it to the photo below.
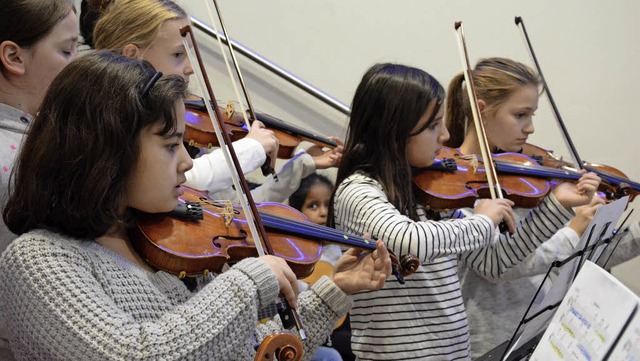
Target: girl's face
<point x="316" y="205"/>
<point x="512" y="122"/>
<point x="160" y="169"/>
<point x="45" y="59"/>
<point x="167" y="53"/>
<point x="426" y="138"/>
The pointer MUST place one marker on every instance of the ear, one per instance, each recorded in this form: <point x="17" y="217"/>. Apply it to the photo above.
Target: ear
<point x="481" y="105"/>
<point x="131" y="51"/>
<point x="12" y="57"/>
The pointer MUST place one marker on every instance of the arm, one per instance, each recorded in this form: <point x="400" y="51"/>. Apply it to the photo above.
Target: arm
<point x="560" y="246"/>
<point x="210" y="171"/>
<point x="319" y="308"/>
<point x="361" y="206"/>
<point x="289" y="177"/>
<point x="59" y="305"/>
<point x="506" y="251"/>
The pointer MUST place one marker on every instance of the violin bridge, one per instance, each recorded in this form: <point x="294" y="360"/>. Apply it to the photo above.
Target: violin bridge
<point x="230" y="109"/>
<point x="227" y="212"/>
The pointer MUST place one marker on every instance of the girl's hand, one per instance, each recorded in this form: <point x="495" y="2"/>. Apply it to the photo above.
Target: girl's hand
<point x="286" y="278"/>
<point x="326" y="159"/>
<point x="264" y="136"/>
<point x="498" y="210"/>
<point x="573" y="195"/>
<point x="357" y="270"/>
<point x="584" y="215"/>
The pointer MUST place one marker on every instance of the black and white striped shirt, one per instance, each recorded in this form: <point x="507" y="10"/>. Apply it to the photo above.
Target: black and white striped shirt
<point x="425" y="318"/>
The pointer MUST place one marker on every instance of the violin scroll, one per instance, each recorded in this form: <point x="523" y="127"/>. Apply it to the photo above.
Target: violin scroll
<point x="281" y="346"/>
<point x="404" y="267"/>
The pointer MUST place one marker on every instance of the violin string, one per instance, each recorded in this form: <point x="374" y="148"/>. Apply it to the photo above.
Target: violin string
<point x="315" y="230"/>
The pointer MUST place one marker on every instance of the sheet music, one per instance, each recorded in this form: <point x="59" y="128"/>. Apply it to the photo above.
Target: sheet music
<point x="590" y="318"/>
<point x="628" y="347"/>
<point x="602" y="224"/>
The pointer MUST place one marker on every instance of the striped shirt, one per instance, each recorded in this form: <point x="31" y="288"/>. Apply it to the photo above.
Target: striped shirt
<point x="425" y="318"/>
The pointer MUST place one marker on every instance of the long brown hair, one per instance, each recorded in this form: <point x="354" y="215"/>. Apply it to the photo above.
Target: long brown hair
<point x="75" y="164"/>
<point x="495" y="79"/>
<point x="388" y="103"/>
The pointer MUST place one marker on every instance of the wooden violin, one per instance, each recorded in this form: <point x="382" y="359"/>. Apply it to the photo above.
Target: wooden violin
<point x="457" y="181"/>
<point x="200" y="133"/>
<point x="186" y="246"/>
<point x="615" y="184"/>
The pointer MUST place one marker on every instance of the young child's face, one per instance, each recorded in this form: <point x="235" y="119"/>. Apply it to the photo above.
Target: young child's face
<point x="159" y="172"/>
<point x="167" y="53"/>
<point x="511" y="124"/>
<point x="316" y="206"/>
<point x="50" y="55"/>
<point x="427" y="138"/>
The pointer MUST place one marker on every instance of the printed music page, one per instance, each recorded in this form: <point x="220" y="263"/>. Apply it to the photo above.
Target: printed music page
<point x="601" y="225"/>
<point x="590" y="319"/>
<point x="628" y="347"/>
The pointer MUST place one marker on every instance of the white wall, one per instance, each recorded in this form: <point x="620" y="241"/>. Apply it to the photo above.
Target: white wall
<point x="588" y="51"/>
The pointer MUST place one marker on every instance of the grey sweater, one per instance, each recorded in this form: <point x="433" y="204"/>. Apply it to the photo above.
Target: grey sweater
<point x="68" y="299"/>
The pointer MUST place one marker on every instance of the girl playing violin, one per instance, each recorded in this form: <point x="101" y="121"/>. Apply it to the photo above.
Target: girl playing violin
<point x="508" y="94"/>
<point x="105" y="146"/>
<point x="397" y="125"/>
<point x="149" y="30"/>
<point x="37" y="39"/>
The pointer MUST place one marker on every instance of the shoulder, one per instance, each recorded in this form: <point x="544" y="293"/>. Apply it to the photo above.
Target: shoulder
<point x="360" y="181"/>
<point x="40" y="247"/>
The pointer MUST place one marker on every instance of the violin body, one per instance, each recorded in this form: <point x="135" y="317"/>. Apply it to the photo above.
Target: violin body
<point x="615" y="184"/>
<point x="441" y="189"/>
<point x="199" y="129"/>
<point x="186" y="247"/>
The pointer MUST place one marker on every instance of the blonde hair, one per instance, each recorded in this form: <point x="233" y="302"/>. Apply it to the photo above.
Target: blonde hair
<point x="134" y="22"/>
<point x="495" y="79"/>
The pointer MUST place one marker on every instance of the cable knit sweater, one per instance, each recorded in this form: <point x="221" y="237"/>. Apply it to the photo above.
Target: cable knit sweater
<point x="69" y="299"/>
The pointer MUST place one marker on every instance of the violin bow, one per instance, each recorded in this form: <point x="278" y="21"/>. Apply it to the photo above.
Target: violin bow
<point x="267" y="168"/>
<point x="263" y="246"/>
<point x="492" y="174"/>
<point x="565" y="133"/>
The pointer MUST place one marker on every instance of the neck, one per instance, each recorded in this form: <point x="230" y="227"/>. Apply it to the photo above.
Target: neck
<point x="471" y="144"/>
<point x="118" y="242"/>
<point x="17" y="96"/>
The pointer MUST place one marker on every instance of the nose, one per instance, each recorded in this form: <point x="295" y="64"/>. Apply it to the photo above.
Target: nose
<point x="185" y="162"/>
<point x="528" y="127"/>
<point x="444" y="135"/>
<point x="188" y="69"/>
<point x="323" y="211"/>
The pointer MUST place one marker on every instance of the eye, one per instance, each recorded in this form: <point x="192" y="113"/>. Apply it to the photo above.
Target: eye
<point x="178" y="54"/>
<point x="173" y="147"/>
<point x="312" y="206"/>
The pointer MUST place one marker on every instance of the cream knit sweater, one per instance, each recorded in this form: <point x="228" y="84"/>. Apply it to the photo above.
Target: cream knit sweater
<point x="69" y="299"/>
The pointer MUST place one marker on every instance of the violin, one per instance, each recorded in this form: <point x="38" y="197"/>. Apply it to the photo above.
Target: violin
<point x="217" y="234"/>
<point x="615" y="184"/>
<point x="199" y="131"/>
<point x="457" y="181"/>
